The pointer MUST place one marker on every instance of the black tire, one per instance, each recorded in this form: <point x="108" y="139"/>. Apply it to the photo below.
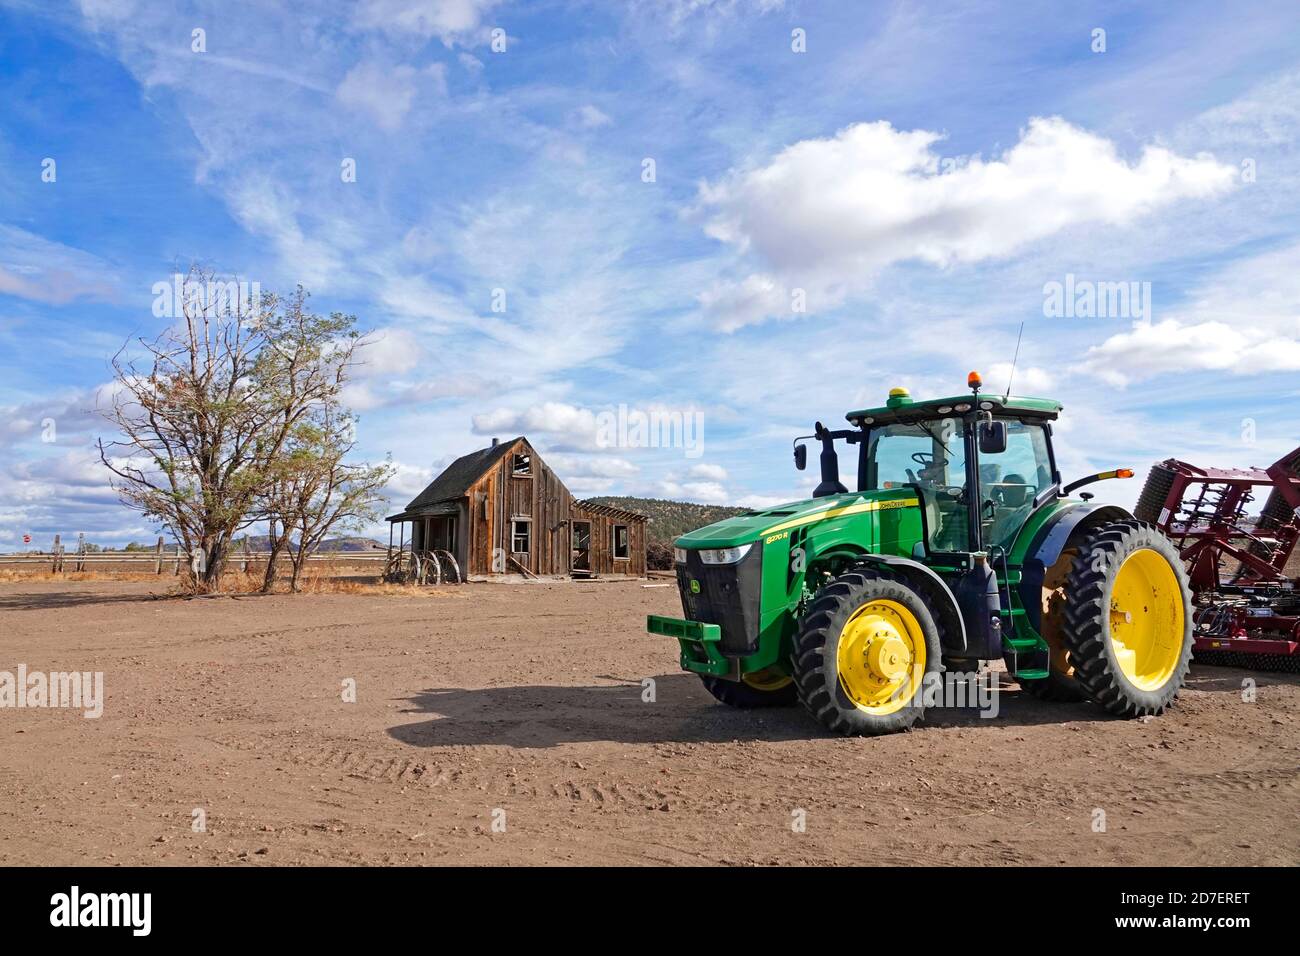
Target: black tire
<point x="1055" y="687"/>
<point x="1152" y="500"/>
<point x="816" y="666"/>
<point x="739" y="694"/>
<point x="1088" y="595"/>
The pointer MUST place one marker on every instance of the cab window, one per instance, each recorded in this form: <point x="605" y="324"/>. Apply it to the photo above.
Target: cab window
<point x="932" y="456"/>
<point x="1010" y="481"/>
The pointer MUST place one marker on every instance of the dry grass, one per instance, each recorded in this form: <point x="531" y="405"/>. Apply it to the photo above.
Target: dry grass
<point x="236" y="582"/>
<point x="14" y="575"/>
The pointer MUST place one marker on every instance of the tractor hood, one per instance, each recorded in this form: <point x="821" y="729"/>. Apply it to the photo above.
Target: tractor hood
<point x="756" y="525"/>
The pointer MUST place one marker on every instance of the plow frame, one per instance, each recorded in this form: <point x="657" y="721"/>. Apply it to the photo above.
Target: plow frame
<point x="1257" y="612"/>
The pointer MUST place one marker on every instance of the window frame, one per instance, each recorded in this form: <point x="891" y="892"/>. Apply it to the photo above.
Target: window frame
<point x="528" y="534"/>
<point x="613" y="544"/>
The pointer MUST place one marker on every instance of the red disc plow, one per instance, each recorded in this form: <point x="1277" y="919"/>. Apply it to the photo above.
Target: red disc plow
<point x="1247" y="600"/>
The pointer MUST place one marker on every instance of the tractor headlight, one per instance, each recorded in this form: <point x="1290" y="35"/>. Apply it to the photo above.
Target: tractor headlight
<point x="724" y="555"/>
<point x="679" y="555"/>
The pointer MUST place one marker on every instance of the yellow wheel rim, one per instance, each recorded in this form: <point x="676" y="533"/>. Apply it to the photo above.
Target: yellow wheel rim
<point x="767" y="679"/>
<point x="1146" y="619"/>
<point x="881" y="657"/>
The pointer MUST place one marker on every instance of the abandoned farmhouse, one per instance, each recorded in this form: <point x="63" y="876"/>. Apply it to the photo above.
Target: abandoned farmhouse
<point x="501" y="510"/>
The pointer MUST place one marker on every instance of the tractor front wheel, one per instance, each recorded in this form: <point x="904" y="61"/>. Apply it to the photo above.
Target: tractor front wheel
<point x="768" y="688"/>
<point x="863" y="652"/>
<point x="1128" y="619"/>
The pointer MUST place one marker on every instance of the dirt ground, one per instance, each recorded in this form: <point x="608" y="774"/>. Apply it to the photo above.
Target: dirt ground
<point x="522" y="704"/>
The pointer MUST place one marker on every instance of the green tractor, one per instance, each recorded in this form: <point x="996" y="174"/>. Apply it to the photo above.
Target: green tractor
<point x="960" y="545"/>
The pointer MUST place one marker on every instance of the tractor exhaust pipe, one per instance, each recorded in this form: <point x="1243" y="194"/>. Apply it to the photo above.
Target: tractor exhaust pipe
<point x="830" y="464"/>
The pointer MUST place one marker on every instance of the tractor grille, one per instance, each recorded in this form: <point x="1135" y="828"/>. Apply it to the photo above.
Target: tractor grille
<point x="728" y="597"/>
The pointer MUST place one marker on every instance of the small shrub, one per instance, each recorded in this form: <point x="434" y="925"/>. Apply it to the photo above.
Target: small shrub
<point x="659" y="556"/>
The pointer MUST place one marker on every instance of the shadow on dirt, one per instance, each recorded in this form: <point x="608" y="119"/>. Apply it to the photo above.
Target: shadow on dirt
<point x="682" y="712"/>
<point x="41" y="601"/>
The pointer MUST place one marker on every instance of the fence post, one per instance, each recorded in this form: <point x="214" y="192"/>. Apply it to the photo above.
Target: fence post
<point x="81" y="551"/>
<point x="158" y="560"/>
<point x="55" y="552"/>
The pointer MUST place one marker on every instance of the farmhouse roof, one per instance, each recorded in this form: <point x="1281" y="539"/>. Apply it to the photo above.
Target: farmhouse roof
<point x="456" y="478"/>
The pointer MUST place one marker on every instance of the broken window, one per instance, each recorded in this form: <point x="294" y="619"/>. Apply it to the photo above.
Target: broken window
<point x="622" y="545"/>
<point x="520" y="534"/>
<point x="523" y="466"/>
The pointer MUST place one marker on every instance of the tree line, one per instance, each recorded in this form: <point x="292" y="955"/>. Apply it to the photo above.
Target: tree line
<point x="232" y="417"/>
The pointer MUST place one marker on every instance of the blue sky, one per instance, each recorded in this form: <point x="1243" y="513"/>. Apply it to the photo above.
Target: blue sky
<point x="917" y="176"/>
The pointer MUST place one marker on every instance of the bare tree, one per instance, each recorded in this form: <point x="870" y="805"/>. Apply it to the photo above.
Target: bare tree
<point x="206" y="409"/>
<point x="316" y="491"/>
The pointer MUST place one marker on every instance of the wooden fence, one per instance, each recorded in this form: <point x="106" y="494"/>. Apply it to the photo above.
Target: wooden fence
<point x="162" y="559"/>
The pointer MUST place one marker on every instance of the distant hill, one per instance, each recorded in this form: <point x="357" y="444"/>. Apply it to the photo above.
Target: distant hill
<point x="671" y="519"/>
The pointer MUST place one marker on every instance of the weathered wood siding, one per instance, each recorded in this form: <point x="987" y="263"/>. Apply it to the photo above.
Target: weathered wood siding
<point x="602" y="544"/>
<point x="498" y="497"/>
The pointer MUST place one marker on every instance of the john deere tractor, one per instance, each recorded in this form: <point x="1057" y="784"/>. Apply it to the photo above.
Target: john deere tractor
<point x="959" y="545"/>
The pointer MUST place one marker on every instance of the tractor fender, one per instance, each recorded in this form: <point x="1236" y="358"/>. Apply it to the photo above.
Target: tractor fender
<point x="952" y="630"/>
<point x="1048" y="543"/>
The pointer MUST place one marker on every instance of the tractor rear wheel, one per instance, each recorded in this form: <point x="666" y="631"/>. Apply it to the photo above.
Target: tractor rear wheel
<point x="863" y="652"/>
<point x="1128" y="619"/>
<point x="768" y="688"/>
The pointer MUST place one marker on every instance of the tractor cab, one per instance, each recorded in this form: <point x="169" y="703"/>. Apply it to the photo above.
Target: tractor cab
<point x="980" y="465"/>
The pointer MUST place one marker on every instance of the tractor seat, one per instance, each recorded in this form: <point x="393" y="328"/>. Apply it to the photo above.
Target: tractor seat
<point x="933" y="517"/>
<point x="1017" y="499"/>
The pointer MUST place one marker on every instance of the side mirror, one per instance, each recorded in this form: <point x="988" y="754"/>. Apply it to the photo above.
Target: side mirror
<point x="801" y="457"/>
<point x="993" y="437"/>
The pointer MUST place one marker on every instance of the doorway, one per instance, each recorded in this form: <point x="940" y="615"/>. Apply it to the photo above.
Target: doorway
<point x="580" y="553"/>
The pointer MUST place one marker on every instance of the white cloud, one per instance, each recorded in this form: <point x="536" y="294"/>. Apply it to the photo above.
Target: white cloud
<point x="592" y="117"/>
<point x="734" y="305"/>
<point x="266" y="208"/>
<point x="827" y="214"/>
<point x="39" y="269"/>
<point x="1027" y="380"/>
<point x="1246" y="321"/>
<point x="566" y="426"/>
<point x="386" y="93"/>
<point x="407" y="481"/>
<point x="708" y="472"/>
<point x="677" y="12"/>
<point x="452" y="21"/>
<point x="72" y="416"/>
<point x="390" y="351"/>
<point x="575" y="466"/>
<point x="704" y="492"/>
<point x="760" y="502"/>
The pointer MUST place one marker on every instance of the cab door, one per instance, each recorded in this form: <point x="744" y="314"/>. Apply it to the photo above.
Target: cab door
<point x="1010" y="481"/>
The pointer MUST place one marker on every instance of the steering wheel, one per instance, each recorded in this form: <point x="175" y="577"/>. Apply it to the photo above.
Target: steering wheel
<point x="923" y="458"/>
